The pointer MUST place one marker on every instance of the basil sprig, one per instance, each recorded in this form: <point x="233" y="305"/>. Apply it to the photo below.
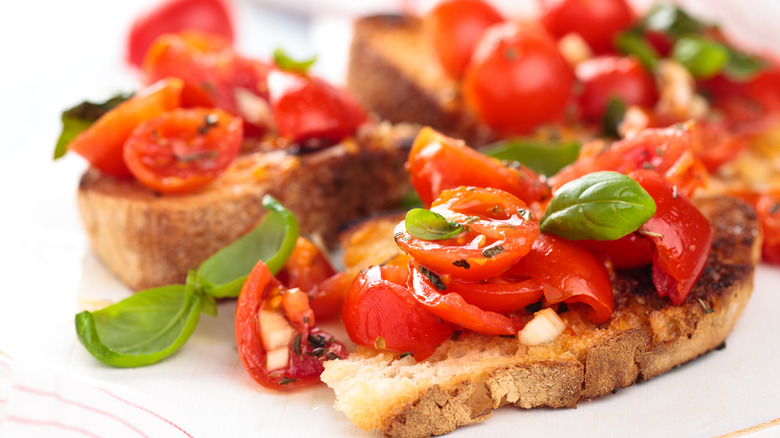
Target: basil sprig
<point x="702" y="57"/>
<point x="284" y="62"/>
<point x="429" y="225"/>
<point x="77" y="119"/>
<point x="598" y="206"/>
<point x="152" y="324"/>
<point x="543" y="157"/>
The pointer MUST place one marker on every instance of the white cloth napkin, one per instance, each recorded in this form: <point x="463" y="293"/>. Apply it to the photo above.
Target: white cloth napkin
<point x="41" y="403"/>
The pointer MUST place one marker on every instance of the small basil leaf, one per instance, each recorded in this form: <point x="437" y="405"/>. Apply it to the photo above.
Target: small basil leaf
<point x="742" y="67"/>
<point x="284" y="62"/>
<point x="634" y="43"/>
<point x="599" y="206"/>
<point x="546" y="158"/>
<point x="77" y="119"/>
<point x="272" y="241"/>
<point x="613" y="116"/>
<point x="673" y="20"/>
<point x="429" y="225"/>
<point x="702" y="57"/>
<point x="142" y="329"/>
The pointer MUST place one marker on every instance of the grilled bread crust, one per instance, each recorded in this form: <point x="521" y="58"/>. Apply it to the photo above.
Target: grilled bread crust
<point x="150" y="240"/>
<point x="393" y="72"/>
<point x="646" y="336"/>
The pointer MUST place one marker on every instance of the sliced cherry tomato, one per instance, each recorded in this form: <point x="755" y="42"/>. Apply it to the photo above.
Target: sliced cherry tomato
<point x="716" y="144"/>
<point x="768" y="208"/>
<point x="437" y="162"/>
<point x="517" y="79"/>
<point x="681" y="236"/>
<point x="380" y="312"/>
<point x="455" y="27"/>
<point x="212" y="16"/>
<point x="307" y="350"/>
<point x="306" y="107"/>
<point x="597" y="21"/>
<point x="629" y="252"/>
<point x="498" y="230"/>
<point x="500" y="294"/>
<point x="103" y="142"/>
<point x="607" y="77"/>
<point x="183" y="150"/>
<point x="307" y="268"/>
<point x="450" y="306"/>
<point x="668" y="151"/>
<point x="569" y="274"/>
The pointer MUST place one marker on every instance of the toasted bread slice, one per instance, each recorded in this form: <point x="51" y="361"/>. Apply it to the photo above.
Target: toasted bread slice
<point x="150" y="240"/>
<point x="469" y="377"/>
<point x="393" y="72"/>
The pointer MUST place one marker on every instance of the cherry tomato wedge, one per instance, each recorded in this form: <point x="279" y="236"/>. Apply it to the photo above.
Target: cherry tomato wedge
<point x="500" y="295"/>
<point x="212" y="16"/>
<point x="569" y="274"/>
<point x="629" y="252"/>
<point x="498" y="230"/>
<point x="450" y="306"/>
<point x="455" y="26"/>
<point x="183" y="150"/>
<point x="597" y="21"/>
<point x="306" y="107"/>
<point x="668" y="151"/>
<point x="380" y="312"/>
<point x="681" y="236"/>
<point x="306" y="355"/>
<point x="517" y="79"/>
<point x="103" y="142"/>
<point x="607" y="77"/>
<point x="768" y="209"/>
<point x="437" y="162"/>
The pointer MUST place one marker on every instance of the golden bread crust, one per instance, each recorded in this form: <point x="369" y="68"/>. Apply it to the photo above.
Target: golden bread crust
<point x="646" y="336"/>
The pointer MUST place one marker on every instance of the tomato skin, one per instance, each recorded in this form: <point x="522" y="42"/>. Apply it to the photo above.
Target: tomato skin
<point x="450" y="306"/>
<point x="182" y="150"/>
<point x="303" y="369"/>
<point x="629" y="252"/>
<point x="455" y="27"/>
<point x="768" y="209"/>
<point x="102" y="143"/>
<point x="517" y="79"/>
<point x="437" y="162"/>
<point x="613" y="76"/>
<point x="568" y="273"/>
<point x="306" y="107"/>
<point x="681" y="237"/>
<point x="596" y="21"/>
<point x="498" y="231"/>
<point x="379" y="304"/>
<point x="212" y="16"/>
<point x="500" y="295"/>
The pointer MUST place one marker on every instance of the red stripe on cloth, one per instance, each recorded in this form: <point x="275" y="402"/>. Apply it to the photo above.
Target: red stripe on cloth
<point x="51" y="423"/>
<point x="147" y="411"/>
<point x="80" y="405"/>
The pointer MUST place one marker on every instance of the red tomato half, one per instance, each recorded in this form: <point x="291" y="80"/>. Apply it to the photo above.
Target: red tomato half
<point x="569" y="274"/>
<point x="212" y="16"/>
<point x="313" y="346"/>
<point x="455" y="27"/>
<point x="629" y="252"/>
<point x="517" y="79"/>
<point x="306" y="107"/>
<point x="500" y="295"/>
<point x="681" y="235"/>
<point x="437" y="162"/>
<point x="182" y="150"/>
<point x="608" y="77"/>
<point x="380" y="312"/>
<point x="103" y="142"/>
<point x="498" y="230"/>
<point x="597" y="21"/>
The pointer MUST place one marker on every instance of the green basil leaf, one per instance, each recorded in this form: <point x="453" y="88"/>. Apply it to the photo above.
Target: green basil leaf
<point x="634" y="43"/>
<point x="284" y="62"/>
<point x="599" y="206"/>
<point x="613" y="116"/>
<point x="77" y="119"/>
<point x="672" y="20"/>
<point x="546" y="158"/>
<point x="742" y="67"/>
<point x="142" y="329"/>
<point x="429" y="225"/>
<point x="702" y="57"/>
<point x="272" y="241"/>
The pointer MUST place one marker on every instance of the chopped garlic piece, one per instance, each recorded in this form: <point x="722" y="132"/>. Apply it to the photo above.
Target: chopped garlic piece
<point x="275" y="331"/>
<point x="277" y="359"/>
<point x="574" y="49"/>
<point x="677" y="95"/>
<point x="544" y="328"/>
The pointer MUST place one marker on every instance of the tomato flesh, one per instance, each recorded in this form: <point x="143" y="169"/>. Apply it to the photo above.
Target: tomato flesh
<point x="598" y="22"/>
<point x="629" y="252"/>
<point x="768" y="209"/>
<point x="608" y="77"/>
